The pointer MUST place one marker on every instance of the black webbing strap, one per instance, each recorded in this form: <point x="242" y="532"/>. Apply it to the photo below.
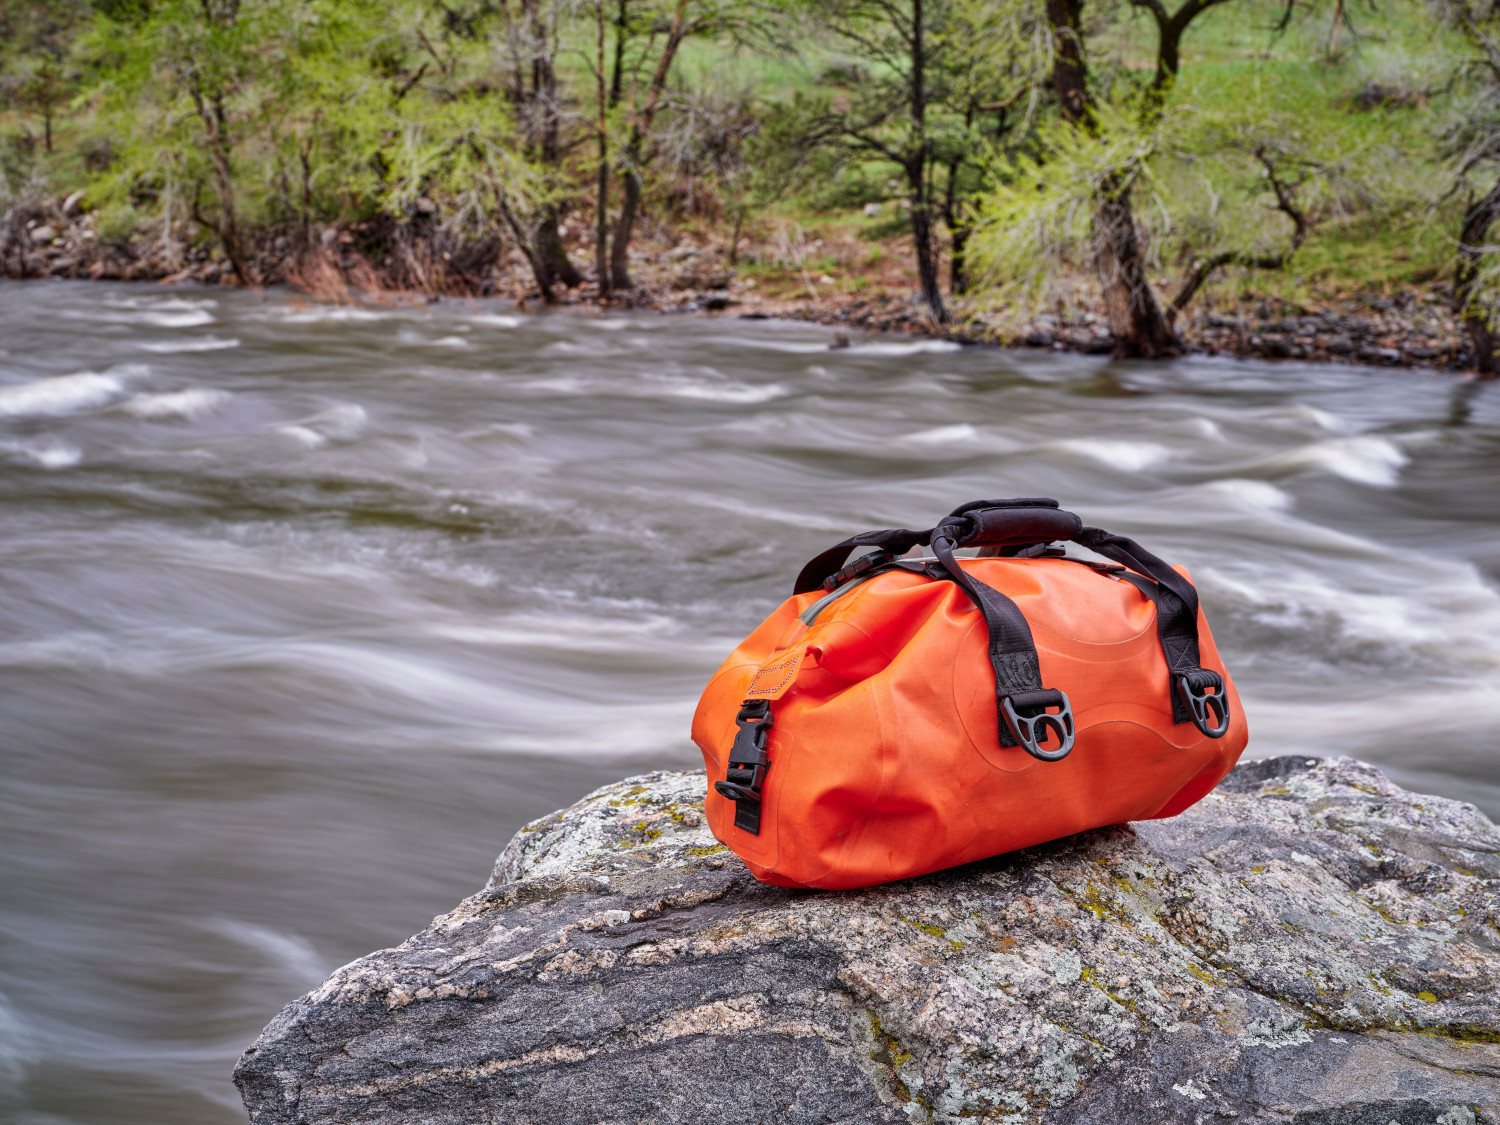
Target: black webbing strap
<point x="895" y="542"/>
<point x="1168" y="631"/>
<point x="1012" y="650"/>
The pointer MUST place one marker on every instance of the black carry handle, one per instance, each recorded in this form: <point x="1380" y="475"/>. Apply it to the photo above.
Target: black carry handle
<point x="1198" y="695"/>
<point x="982" y="523"/>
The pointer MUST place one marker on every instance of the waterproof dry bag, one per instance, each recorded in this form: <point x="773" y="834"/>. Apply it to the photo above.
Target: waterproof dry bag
<point x="898" y="715"/>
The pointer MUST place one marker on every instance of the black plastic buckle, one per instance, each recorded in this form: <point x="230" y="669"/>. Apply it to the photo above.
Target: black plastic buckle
<point x="862" y="565"/>
<point x="748" y="762"/>
<point x="1030" y="722"/>
<point x="1192" y="689"/>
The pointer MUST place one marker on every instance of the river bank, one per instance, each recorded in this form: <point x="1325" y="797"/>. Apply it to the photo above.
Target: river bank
<point x="381" y="261"/>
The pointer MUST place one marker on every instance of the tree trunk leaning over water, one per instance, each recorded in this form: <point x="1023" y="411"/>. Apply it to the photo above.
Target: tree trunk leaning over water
<point x="1466" y="298"/>
<point x="1136" y="321"/>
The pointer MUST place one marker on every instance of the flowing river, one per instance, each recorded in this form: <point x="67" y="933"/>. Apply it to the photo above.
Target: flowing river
<point x="305" y="610"/>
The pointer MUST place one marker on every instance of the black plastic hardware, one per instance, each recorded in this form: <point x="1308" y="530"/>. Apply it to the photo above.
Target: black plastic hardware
<point x="1192" y="689"/>
<point x="748" y="762"/>
<point x="1035" y="551"/>
<point x="862" y="565"/>
<point x="1030" y="722"/>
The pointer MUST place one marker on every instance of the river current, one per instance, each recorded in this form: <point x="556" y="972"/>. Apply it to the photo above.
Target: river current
<point x="305" y="610"/>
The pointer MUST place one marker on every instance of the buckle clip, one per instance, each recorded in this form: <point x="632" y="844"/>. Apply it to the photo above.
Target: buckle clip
<point x="1192" y="689"/>
<point x="748" y="760"/>
<point x="1030" y="722"/>
<point x="862" y="565"/>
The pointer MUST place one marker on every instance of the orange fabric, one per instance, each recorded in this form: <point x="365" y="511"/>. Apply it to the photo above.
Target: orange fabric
<point x="885" y="760"/>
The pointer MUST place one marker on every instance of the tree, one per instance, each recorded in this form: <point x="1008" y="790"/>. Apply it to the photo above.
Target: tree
<point x="687" y="18"/>
<point x="641" y="92"/>
<point x="185" y="73"/>
<point x="1474" y="144"/>
<point x="489" y="150"/>
<point x="530" y="45"/>
<point x="923" y="91"/>
<point x="35" y="44"/>
<point x="1136" y="320"/>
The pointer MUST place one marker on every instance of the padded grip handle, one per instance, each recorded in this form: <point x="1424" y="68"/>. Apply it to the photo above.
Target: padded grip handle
<point x="1011" y="527"/>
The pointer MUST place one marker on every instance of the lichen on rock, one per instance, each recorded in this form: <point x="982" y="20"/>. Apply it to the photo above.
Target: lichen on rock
<point x="1309" y="944"/>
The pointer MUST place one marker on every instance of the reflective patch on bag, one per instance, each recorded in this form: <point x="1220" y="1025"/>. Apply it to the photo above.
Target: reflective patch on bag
<point x="773" y="679"/>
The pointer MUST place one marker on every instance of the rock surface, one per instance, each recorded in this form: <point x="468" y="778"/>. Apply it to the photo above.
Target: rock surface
<point x="1310" y="944"/>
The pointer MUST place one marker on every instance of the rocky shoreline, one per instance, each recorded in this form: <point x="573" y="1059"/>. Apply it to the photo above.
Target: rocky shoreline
<point x="385" y="261"/>
<point x="1309" y="945"/>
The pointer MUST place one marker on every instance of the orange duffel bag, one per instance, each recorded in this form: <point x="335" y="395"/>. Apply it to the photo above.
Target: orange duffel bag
<point x="900" y="715"/>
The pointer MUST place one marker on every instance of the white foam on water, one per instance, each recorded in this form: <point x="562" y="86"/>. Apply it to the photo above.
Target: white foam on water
<point x="157" y="312"/>
<point x="913" y="347"/>
<point x="200" y="344"/>
<point x="1439" y="607"/>
<point x="1248" y="495"/>
<point x="1304" y="416"/>
<point x="728" y="391"/>
<point x="767" y="344"/>
<point x="309" y="439"/>
<point x="1367" y="459"/>
<point x="17" y="1046"/>
<point x="941" y="435"/>
<point x="417" y="340"/>
<point x="1126" y="456"/>
<point x="49" y="453"/>
<point x="501" y="320"/>
<point x="328" y="314"/>
<point x="662" y="386"/>
<point x="344" y="422"/>
<point x="1206" y="428"/>
<point x="59" y="394"/>
<point x="193" y="403"/>
<point x="293" y="955"/>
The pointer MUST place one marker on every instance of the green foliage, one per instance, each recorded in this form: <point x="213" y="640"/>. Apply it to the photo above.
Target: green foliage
<point x="1353" y="137"/>
<point x="331" y="111"/>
